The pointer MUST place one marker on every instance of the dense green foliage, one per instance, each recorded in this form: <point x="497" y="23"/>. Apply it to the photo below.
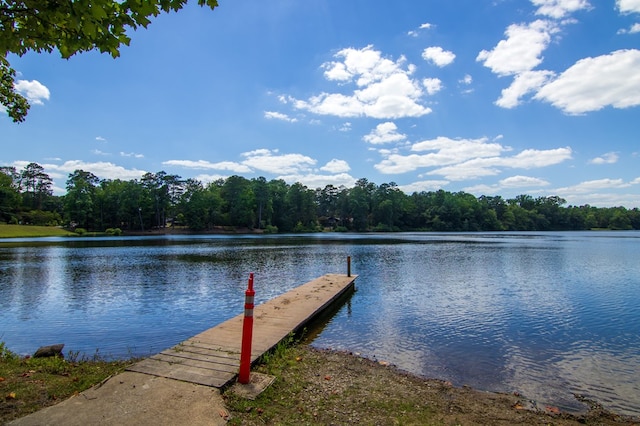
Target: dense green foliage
<point x="70" y="27"/>
<point x="159" y="200"/>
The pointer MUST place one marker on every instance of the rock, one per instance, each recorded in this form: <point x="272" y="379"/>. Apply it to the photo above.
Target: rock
<point x="48" y="351"/>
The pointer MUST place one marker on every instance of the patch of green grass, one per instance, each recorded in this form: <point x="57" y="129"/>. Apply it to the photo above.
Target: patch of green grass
<point x="30" y="384"/>
<point x="275" y="358"/>
<point x="28" y="231"/>
<point x="312" y="389"/>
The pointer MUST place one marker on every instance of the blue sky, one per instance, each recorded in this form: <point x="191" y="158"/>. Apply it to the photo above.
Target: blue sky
<point x="502" y="97"/>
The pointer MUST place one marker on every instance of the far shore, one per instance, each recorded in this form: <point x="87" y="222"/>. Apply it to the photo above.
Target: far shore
<point x="33" y="231"/>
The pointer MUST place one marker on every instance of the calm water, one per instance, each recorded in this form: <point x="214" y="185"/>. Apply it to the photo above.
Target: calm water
<point x="546" y="314"/>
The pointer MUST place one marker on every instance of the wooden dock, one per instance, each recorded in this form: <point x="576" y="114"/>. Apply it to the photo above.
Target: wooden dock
<point x="212" y="358"/>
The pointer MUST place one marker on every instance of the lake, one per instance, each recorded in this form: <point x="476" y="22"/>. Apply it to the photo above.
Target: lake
<point x="548" y="315"/>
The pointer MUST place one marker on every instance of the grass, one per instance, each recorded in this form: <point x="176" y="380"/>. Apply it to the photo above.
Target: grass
<point x="305" y="392"/>
<point x="28" y="231"/>
<point x="30" y="384"/>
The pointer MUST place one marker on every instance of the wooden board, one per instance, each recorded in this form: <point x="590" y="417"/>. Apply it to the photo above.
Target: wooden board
<point x="212" y="358"/>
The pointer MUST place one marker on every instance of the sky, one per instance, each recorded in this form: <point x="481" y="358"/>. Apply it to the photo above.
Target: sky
<point x="489" y="97"/>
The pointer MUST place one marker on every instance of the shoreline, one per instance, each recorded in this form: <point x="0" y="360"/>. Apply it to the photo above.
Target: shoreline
<point x="326" y="386"/>
<point x="310" y="386"/>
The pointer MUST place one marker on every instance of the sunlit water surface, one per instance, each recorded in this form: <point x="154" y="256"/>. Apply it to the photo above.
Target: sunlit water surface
<point x="548" y="315"/>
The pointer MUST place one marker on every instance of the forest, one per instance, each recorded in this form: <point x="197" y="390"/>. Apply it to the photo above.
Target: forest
<point x="158" y="201"/>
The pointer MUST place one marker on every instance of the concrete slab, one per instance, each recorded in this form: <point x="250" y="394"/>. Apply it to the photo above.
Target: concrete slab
<point x="134" y="398"/>
<point x="258" y="382"/>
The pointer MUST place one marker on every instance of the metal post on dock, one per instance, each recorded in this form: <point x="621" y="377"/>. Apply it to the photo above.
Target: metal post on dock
<point x="247" y="334"/>
<point x="348" y="266"/>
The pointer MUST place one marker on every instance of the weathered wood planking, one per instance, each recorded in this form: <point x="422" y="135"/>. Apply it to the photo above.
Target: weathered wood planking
<point x="212" y="358"/>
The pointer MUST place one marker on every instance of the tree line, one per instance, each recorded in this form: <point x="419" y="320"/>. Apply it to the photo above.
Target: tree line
<point x="160" y="200"/>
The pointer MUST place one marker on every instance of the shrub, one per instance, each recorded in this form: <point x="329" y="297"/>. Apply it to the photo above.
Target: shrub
<point x="271" y="229"/>
<point x="300" y="227"/>
<point x="113" y="231"/>
<point x="6" y="354"/>
<point x="41" y="218"/>
<point x="381" y="227"/>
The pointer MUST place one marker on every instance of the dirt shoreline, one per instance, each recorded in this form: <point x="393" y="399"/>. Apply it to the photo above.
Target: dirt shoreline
<point x="318" y="386"/>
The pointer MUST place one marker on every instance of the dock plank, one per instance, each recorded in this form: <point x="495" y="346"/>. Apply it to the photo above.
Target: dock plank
<point x="212" y="357"/>
<point x="184" y="373"/>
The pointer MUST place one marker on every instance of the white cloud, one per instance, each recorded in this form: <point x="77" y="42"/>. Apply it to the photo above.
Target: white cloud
<point x="594" y="83"/>
<point x="313" y="181"/>
<point x="364" y="66"/>
<point x="535" y="158"/>
<point x="438" y="56"/>
<point x="628" y="6"/>
<point x="100" y="139"/>
<point x="589" y="85"/>
<point x="414" y="33"/>
<point x="600" y="192"/>
<point x="33" y="90"/>
<point x="131" y="154"/>
<point x="458" y="160"/>
<point x="207" y="165"/>
<point x="444" y="151"/>
<point x="433" y="85"/>
<point x="98" y="152"/>
<point x="597" y="184"/>
<point x="608" y="158"/>
<point x="232" y="166"/>
<point x="467" y="79"/>
<point x="103" y="170"/>
<point x="522" y="49"/>
<point x="523" y="84"/>
<point x="424" y="185"/>
<point x="262" y="160"/>
<point x="510" y="183"/>
<point x="633" y="29"/>
<point x="336" y="166"/>
<point x="346" y="127"/>
<point x="559" y="8"/>
<point x="384" y="133"/>
<point x="472" y="169"/>
<point x="522" y="182"/>
<point x="459" y="149"/>
<point x="333" y="104"/>
<point x="491" y="166"/>
<point x="385" y="89"/>
<point x="272" y="115"/>
<point x="272" y="162"/>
